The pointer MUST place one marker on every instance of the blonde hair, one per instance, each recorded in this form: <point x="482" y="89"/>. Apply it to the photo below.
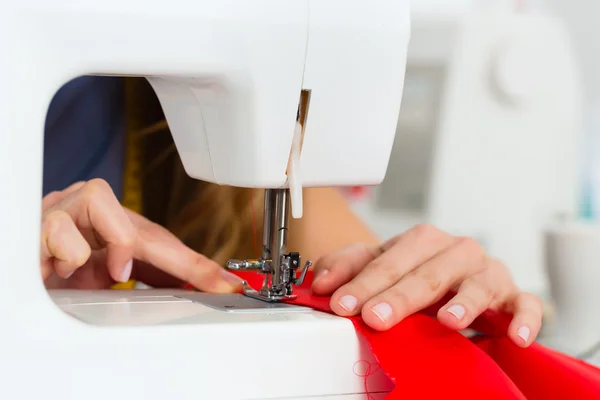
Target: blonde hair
<point x="220" y="222"/>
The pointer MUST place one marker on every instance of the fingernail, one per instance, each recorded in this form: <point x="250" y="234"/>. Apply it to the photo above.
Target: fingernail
<point x="457" y="310"/>
<point x="348" y="303"/>
<point x="231" y="278"/>
<point x="320" y="274"/>
<point x="70" y="274"/>
<point x="524" y="332"/>
<point x="383" y="311"/>
<point x="126" y="272"/>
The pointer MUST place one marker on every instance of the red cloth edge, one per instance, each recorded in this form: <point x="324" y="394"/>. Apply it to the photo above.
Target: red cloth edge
<point x="424" y="359"/>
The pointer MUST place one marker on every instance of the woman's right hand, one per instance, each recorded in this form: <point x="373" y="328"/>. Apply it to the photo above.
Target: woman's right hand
<point x="90" y="241"/>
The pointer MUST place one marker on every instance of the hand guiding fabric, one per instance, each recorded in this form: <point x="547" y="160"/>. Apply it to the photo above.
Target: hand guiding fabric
<point x="90" y="241"/>
<point x="385" y="284"/>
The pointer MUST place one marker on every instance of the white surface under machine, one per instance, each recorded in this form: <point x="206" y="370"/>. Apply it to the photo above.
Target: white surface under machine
<point x="232" y="76"/>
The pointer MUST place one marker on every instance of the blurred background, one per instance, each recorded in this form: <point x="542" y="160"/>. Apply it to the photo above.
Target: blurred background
<point x="499" y="138"/>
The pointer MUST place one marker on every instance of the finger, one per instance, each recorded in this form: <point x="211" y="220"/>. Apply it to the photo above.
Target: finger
<point x="527" y="320"/>
<point x="403" y="255"/>
<point x="53" y="198"/>
<point x="476" y="294"/>
<point x="337" y="269"/>
<point x="154" y="277"/>
<point x="160" y="248"/>
<point x="101" y="218"/>
<point x="63" y="248"/>
<point x="425" y="285"/>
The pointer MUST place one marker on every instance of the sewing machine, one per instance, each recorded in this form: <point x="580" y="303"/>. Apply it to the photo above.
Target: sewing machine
<point x="269" y="94"/>
<point x="489" y="134"/>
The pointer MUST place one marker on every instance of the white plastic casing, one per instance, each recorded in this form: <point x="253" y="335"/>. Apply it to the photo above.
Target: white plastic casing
<point x="234" y="120"/>
<point x="229" y="75"/>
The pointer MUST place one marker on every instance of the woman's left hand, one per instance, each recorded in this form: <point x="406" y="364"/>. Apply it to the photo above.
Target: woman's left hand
<point x="417" y="269"/>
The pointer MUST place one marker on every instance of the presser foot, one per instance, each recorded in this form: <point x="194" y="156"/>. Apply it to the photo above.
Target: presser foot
<point x="273" y="291"/>
<point x="265" y="294"/>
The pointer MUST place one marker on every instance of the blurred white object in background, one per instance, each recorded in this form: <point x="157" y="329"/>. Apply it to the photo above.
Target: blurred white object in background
<point x="573" y="254"/>
<point x="489" y="133"/>
<point x="582" y="17"/>
<point x="421" y="7"/>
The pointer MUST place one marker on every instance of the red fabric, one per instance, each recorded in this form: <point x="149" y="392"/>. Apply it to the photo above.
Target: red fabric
<point x="426" y="360"/>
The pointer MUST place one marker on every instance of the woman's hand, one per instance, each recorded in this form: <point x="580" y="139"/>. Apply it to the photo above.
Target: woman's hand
<point x="415" y="270"/>
<point x="90" y="241"/>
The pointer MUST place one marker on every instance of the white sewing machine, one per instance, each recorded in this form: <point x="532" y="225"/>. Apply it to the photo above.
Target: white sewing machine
<point x="488" y="135"/>
<point x="232" y="76"/>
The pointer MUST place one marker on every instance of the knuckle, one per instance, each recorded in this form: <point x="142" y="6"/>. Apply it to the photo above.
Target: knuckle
<point x="99" y="184"/>
<point x="487" y="291"/>
<point x="93" y="188"/>
<point x="129" y="235"/>
<point x="368" y="250"/>
<point x="54" y="219"/>
<point x="328" y="261"/>
<point x="469" y="244"/>
<point x="432" y="236"/>
<point x="498" y="274"/>
<point x="479" y="288"/>
<point x="431" y="280"/>
<point x="129" y="239"/>
<point x="472" y="248"/>
<point x="501" y="268"/>
<point x="385" y="269"/>
<point x="484" y="295"/>
<point x="426" y="230"/>
<point x="401" y="300"/>
<point x="534" y="301"/>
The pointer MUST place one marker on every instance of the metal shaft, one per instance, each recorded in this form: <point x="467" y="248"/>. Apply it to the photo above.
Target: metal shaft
<point x="267" y="224"/>
<point x="279" y="229"/>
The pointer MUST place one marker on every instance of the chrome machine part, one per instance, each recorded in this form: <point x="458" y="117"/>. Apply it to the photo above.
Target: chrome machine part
<point x="238" y="303"/>
<point x="278" y="266"/>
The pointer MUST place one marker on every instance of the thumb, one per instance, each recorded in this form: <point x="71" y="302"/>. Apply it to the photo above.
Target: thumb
<point x="338" y="268"/>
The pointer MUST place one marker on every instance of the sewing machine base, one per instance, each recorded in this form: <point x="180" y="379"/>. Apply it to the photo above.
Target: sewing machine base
<point x="162" y="338"/>
<point x="170" y="306"/>
<point x="240" y="303"/>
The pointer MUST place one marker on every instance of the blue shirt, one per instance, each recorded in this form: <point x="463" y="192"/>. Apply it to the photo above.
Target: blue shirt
<point x="84" y="134"/>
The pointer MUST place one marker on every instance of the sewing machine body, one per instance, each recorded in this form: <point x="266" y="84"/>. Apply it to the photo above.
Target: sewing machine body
<point x="229" y="75"/>
<point x="489" y="136"/>
<point x="196" y="345"/>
